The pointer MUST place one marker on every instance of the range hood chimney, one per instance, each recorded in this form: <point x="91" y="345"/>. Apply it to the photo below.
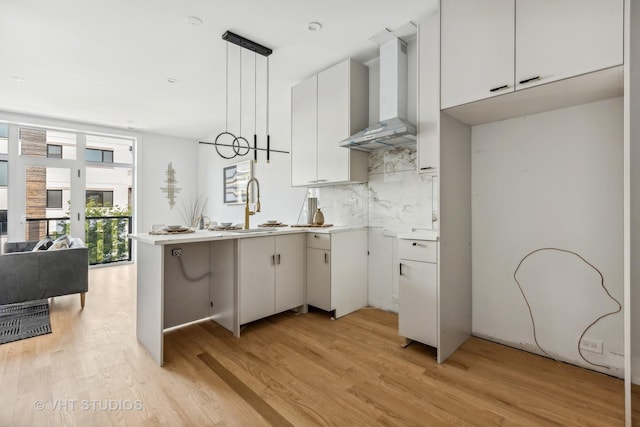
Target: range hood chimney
<point x="393" y="129"/>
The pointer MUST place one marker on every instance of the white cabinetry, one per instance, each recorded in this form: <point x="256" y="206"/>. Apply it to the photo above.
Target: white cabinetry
<point x="337" y="271"/>
<point x="325" y="109"/>
<point x="490" y="47"/>
<point x="304" y="130"/>
<point x="270" y="275"/>
<point x="565" y="38"/>
<point x="477" y="49"/>
<point x="418" y="296"/>
<point x="428" y="143"/>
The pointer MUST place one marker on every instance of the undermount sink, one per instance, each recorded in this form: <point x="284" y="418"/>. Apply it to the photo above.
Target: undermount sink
<point x="255" y="230"/>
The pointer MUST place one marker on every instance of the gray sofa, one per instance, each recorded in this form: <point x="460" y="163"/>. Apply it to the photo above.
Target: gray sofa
<point x="27" y="275"/>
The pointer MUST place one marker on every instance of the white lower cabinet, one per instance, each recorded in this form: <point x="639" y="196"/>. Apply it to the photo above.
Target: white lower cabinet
<point x="337" y="271"/>
<point x="270" y="275"/>
<point x="418" y="295"/>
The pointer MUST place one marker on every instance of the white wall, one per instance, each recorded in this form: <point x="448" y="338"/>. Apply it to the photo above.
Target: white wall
<point x="154" y="153"/>
<point x="550" y="180"/>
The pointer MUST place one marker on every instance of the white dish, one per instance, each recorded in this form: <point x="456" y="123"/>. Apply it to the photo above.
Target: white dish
<point x="272" y="221"/>
<point x="175" y="227"/>
<point x="225" y="224"/>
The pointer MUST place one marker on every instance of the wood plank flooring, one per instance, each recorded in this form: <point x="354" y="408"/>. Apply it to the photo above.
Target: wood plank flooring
<point x="302" y="370"/>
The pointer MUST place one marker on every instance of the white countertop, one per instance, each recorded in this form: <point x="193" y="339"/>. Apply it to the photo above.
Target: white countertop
<point x="420" y="235"/>
<point x="208" y="235"/>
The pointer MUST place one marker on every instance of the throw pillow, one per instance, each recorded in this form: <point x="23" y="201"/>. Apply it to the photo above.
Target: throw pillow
<point x="61" y="242"/>
<point x="43" y="244"/>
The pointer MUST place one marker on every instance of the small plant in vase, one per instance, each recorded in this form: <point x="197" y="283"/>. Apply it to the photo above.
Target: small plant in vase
<point x="192" y="211"/>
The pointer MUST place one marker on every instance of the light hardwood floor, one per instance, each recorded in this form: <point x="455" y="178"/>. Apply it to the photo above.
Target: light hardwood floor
<point x="287" y="370"/>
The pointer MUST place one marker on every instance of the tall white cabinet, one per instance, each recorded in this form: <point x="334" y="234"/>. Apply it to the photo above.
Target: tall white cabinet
<point x="570" y="51"/>
<point x="325" y="109"/>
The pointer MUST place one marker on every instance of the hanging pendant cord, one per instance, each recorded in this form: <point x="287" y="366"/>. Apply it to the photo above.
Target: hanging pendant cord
<point x="226" y="83"/>
<point x="255" y="92"/>
<point x="267" y="95"/>
<point x="240" y="72"/>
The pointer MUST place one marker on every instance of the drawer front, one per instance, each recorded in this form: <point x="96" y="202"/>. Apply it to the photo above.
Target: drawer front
<point x="418" y="250"/>
<point x="319" y="241"/>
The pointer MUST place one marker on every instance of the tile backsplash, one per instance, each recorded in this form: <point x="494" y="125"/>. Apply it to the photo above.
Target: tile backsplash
<point x="396" y="198"/>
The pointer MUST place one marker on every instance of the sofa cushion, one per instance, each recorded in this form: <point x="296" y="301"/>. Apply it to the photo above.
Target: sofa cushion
<point x="43" y="244"/>
<point x="61" y="242"/>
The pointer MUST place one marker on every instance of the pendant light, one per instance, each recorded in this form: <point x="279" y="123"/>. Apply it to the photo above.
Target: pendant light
<point x="239" y="140"/>
<point x="239" y="144"/>
<point x="226" y="126"/>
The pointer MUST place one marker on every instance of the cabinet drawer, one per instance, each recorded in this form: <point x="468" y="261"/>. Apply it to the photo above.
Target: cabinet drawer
<point x="319" y="241"/>
<point x="418" y="250"/>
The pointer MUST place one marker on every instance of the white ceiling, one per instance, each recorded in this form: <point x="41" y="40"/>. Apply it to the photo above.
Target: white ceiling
<point x="107" y="62"/>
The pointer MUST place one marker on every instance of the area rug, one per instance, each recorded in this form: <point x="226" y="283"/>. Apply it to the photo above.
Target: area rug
<point x="24" y="320"/>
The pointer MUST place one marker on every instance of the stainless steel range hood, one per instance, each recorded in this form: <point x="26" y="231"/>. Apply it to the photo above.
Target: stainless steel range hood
<point x="393" y="128"/>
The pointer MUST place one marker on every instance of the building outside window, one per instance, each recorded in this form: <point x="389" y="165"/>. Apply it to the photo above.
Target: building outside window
<point x="54" y="199"/>
<point x="54" y="151"/>
<point x="98" y="155"/>
<point x="99" y="198"/>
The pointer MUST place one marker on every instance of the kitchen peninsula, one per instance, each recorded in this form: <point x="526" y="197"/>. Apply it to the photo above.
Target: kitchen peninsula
<point x="236" y="277"/>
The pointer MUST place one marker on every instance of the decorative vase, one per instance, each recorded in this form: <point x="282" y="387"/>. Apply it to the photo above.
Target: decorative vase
<point x="318" y="217"/>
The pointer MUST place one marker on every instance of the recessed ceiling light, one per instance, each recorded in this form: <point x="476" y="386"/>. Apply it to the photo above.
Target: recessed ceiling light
<point x="172" y="80"/>
<point x="18" y="79"/>
<point x="314" y="26"/>
<point x="194" y="20"/>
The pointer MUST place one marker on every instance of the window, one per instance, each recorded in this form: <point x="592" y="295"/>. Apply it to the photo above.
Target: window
<point x="54" y="199"/>
<point x="97" y="155"/>
<point x="100" y="198"/>
<point x="54" y="151"/>
<point x="4" y="138"/>
<point x="4" y="166"/>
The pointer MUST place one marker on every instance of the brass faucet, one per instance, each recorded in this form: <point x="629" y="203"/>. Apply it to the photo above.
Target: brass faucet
<point x="247" y="211"/>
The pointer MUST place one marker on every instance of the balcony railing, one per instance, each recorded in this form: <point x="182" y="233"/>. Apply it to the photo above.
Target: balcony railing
<point x="105" y="236"/>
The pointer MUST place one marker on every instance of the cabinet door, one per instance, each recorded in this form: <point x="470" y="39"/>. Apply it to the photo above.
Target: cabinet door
<point x="477" y="50"/>
<point x="289" y="288"/>
<point x="304" y="118"/>
<point x="319" y="278"/>
<point x="333" y="123"/>
<point x="428" y="94"/>
<point x="417" y="303"/>
<point x="256" y="278"/>
<point x="556" y="39"/>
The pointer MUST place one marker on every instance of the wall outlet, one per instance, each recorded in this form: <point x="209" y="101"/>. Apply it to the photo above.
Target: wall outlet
<point x="176" y="252"/>
<point x="594" y="346"/>
<point x="394" y="298"/>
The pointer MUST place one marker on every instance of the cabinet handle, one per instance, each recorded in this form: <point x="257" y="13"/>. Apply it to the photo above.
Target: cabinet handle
<point x="322" y="180"/>
<point x="315" y="236"/>
<point x="278" y="259"/>
<point x="273" y="259"/>
<point x="418" y="244"/>
<point x="495" y="89"/>
<point x="313" y="181"/>
<point x="426" y="168"/>
<point x="530" y="79"/>
<point x="325" y="258"/>
<point x="401" y="269"/>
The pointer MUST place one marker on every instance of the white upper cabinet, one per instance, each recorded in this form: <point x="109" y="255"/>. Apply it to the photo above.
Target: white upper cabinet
<point x="333" y="123"/>
<point x="477" y="50"/>
<point x="304" y="122"/>
<point x="326" y="109"/>
<point x="492" y="47"/>
<point x="556" y="39"/>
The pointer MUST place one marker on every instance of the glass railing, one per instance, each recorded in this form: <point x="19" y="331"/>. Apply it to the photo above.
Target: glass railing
<point x="105" y="236"/>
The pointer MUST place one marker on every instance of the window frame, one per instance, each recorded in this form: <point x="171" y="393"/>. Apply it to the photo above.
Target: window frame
<point x="56" y="156"/>
<point x="102" y="155"/>
<point x="48" y="206"/>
